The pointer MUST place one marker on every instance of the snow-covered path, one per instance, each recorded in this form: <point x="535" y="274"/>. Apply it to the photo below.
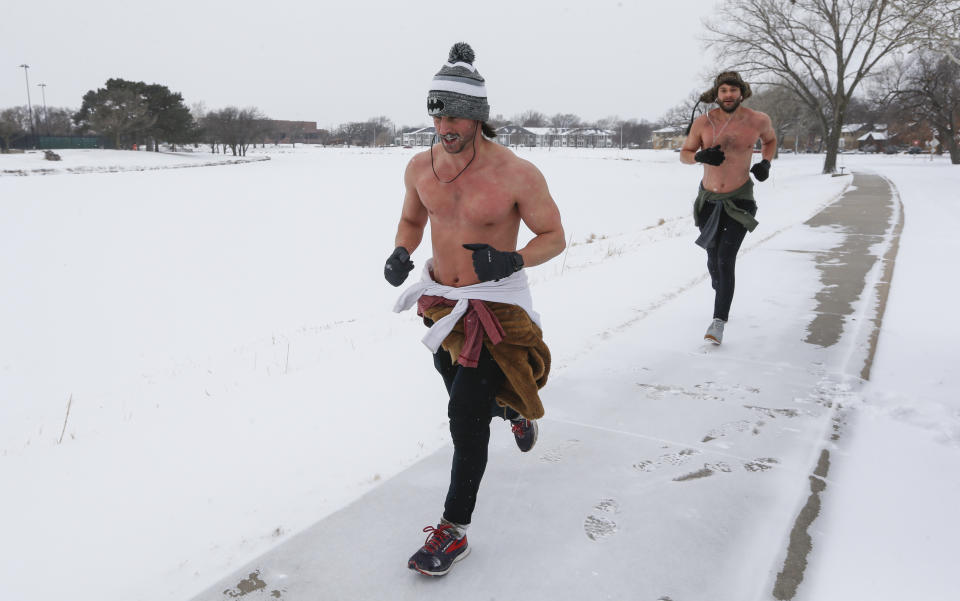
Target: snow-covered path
<point x="225" y="397"/>
<point x="666" y="468"/>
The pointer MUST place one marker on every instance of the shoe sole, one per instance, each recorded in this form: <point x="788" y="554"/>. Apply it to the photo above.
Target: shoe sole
<point x="711" y="339"/>
<point x="413" y="566"/>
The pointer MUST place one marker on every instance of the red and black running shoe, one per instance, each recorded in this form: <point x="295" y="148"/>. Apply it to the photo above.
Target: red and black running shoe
<point x="525" y="432"/>
<point x="440" y="552"/>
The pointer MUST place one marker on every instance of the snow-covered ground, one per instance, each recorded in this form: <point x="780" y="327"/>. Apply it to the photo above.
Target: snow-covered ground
<point x="199" y="363"/>
<point x="890" y="523"/>
<point x="91" y="160"/>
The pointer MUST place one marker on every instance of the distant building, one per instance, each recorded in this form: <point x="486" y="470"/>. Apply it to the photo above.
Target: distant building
<point x="515" y="135"/>
<point x="668" y="138"/>
<point x="548" y="137"/>
<point x="420" y="137"/>
<point x="874" y="141"/>
<point x="850" y="134"/>
<point x="589" y="137"/>
<point x="554" y="137"/>
<point x="289" y="132"/>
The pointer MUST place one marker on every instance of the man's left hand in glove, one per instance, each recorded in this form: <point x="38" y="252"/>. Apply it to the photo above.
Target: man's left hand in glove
<point x="492" y="264"/>
<point x="761" y="170"/>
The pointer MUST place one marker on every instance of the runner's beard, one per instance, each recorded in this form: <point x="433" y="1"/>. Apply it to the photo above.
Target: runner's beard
<point x="731" y="108"/>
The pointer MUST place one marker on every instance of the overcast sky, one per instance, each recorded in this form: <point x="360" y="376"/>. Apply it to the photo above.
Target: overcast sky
<point x="333" y="62"/>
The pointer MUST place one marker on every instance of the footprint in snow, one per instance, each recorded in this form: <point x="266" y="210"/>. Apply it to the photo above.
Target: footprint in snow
<point x="761" y="464"/>
<point x="555" y="454"/>
<point x="598" y="527"/>
<point x="679" y="458"/>
<point x="708" y="470"/>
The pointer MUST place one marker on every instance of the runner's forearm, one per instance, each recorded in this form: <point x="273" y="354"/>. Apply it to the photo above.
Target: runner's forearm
<point x="409" y="235"/>
<point x="543" y="248"/>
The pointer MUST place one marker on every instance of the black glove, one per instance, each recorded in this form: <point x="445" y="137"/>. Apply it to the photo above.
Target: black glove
<point x="761" y="170"/>
<point x="493" y="264"/>
<point x="710" y="156"/>
<point x="398" y="266"/>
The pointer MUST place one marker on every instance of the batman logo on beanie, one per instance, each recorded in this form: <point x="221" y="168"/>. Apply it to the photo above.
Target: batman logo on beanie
<point x="434" y="105"/>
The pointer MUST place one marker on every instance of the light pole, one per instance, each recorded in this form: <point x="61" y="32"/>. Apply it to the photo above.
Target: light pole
<point x="43" y="94"/>
<point x="29" y="106"/>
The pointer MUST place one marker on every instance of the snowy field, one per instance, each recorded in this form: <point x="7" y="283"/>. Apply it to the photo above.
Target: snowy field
<point x="92" y="160"/>
<point x="199" y="363"/>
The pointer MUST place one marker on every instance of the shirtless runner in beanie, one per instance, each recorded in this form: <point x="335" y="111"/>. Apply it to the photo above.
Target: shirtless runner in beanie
<point x="474" y="193"/>
<point x="723" y="140"/>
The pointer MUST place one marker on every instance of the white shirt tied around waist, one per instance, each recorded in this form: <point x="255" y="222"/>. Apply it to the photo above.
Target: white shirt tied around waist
<point x="513" y="290"/>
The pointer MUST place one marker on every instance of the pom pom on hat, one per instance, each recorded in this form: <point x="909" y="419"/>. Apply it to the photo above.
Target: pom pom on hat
<point x="461" y="52"/>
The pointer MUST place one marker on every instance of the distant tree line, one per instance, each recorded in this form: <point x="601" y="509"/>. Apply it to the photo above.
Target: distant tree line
<point x="628" y="133"/>
<point x="918" y="94"/>
<point x="816" y="66"/>
<point x="925" y="89"/>
<point x="15" y="123"/>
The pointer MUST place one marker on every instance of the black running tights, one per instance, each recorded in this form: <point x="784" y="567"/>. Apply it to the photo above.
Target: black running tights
<point x="472" y="404"/>
<point x="722" y="262"/>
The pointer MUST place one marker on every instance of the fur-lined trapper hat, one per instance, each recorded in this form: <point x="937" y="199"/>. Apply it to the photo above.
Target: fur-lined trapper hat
<point x="731" y="78"/>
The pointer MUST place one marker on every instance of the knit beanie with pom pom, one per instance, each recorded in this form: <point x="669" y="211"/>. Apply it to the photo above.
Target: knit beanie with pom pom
<point x="458" y="90"/>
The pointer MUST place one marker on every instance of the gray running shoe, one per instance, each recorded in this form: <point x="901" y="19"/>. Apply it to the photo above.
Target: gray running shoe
<point x="715" y="331"/>
<point x="525" y="433"/>
<point x="441" y="551"/>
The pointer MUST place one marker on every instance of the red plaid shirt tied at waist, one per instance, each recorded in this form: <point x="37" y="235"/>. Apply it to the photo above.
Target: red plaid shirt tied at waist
<point x="477" y="321"/>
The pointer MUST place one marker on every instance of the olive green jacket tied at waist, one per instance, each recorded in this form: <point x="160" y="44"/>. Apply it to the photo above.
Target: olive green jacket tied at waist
<point x="722" y="201"/>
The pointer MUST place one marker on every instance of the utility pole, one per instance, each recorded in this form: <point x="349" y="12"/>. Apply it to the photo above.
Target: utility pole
<point x="43" y="93"/>
<point x="33" y="130"/>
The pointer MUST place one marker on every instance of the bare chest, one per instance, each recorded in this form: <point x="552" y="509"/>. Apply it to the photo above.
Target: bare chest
<point x="732" y="136"/>
<point x="472" y="202"/>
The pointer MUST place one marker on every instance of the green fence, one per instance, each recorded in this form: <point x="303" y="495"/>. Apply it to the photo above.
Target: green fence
<point x="51" y="142"/>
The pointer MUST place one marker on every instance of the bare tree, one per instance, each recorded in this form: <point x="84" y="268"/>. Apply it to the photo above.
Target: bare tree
<point x="633" y="133"/>
<point x="250" y="126"/>
<point x="214" y="127"/>
<point x="822" y="50"/>
<point x="354" y="133"/>
<point x="497" y="120"/>
<point x="198" y="110"/>
<point x="564" y="120"/>
<point x="683" y="114"/>
<point x="788" y="114"/>
<point x="14" y="124"/>
<point x="233" y="127"/>
<point x="939" y="30"/>
<point x="611" y="122"/>
<point x="530" y="118"/>
<point x="928" y="89"/>
<point x="383" y="130"/>
<point x="58" y="121"/>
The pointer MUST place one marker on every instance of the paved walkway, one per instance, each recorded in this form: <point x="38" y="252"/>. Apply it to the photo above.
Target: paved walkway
<point x="656" y="450"/>
<point x="852" y="276"/>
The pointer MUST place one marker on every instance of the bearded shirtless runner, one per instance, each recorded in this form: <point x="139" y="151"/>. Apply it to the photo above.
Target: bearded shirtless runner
<point x="723" y="140"/>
